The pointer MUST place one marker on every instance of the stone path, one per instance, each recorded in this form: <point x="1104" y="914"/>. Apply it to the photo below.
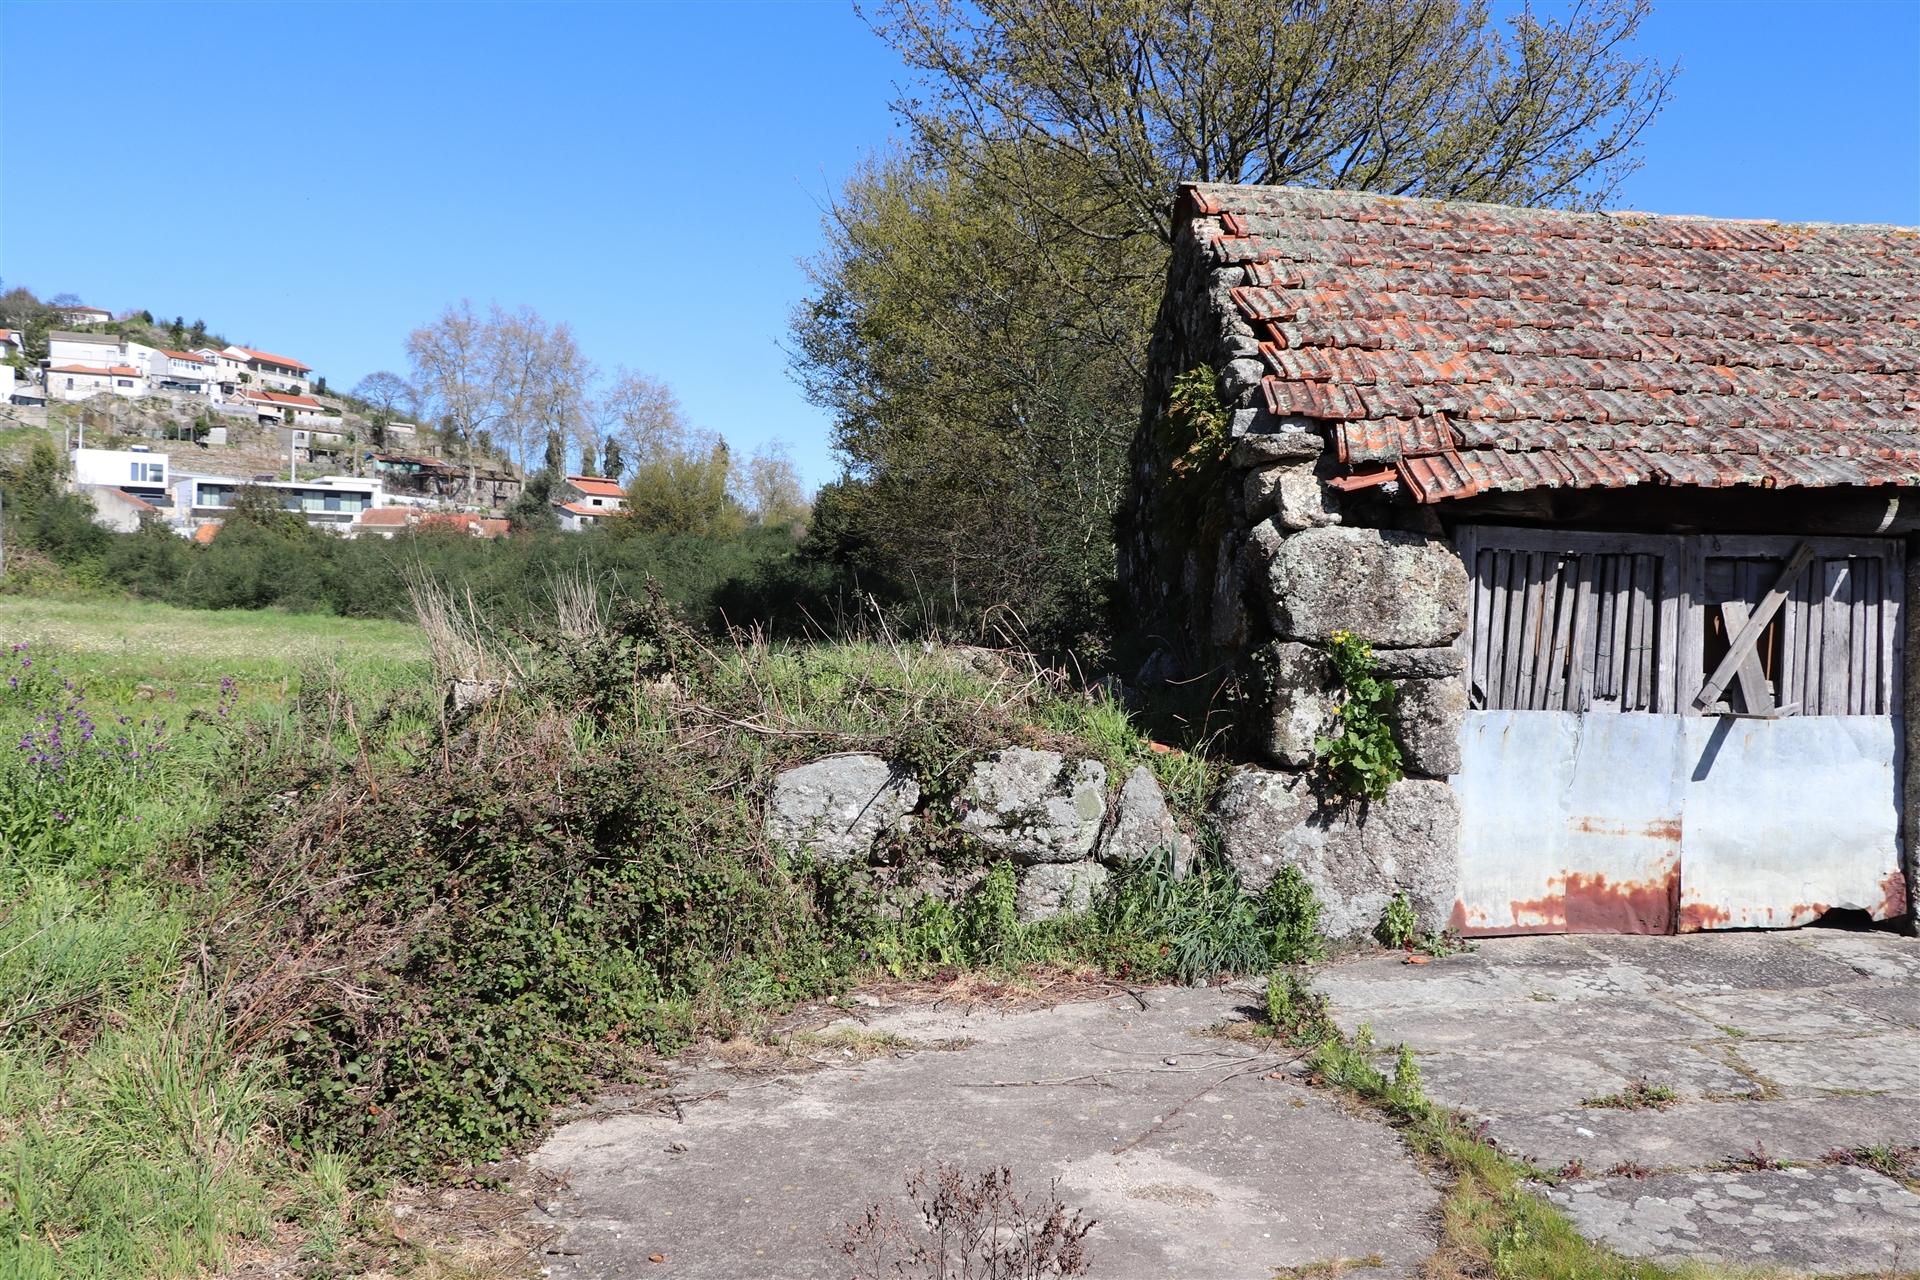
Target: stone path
<point x="1195" y="1159"/>
<point x="1780" y="1047"/>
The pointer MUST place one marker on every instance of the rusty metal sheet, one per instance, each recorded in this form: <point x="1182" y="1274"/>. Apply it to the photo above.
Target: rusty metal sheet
<point x="1569" y="823"/>
<point x="1787" y="819"/>
<point x="1606" y="822"/>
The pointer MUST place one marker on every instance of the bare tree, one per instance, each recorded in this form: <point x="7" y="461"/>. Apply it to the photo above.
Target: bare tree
<point x="386" y="392"/>
<point x="452" y="365"/>
<point x="644" y="415"/>
<point x="770" y="487"/>
<point x="1408" y="97"/>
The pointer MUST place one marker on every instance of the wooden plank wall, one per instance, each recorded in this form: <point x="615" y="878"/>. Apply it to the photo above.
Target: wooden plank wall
<point x="1578" y="621"/>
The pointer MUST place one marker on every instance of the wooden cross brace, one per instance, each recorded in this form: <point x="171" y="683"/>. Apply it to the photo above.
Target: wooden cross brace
<point x="1742" y="659"/>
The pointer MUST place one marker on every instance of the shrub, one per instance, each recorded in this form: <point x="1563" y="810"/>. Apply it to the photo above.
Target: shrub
<point x="1360" y="755"/>
<point x="1399" y="928"/>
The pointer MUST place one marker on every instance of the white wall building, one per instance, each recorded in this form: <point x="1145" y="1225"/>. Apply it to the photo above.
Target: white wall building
<point x="83" y="382"/>
<point x="330" y="502"/>
<point x="79" y="315"/>
<point x="265" y="371"/>
<point x="135" y="469"/>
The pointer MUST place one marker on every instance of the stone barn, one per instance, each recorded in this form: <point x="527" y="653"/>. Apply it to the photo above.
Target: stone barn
<point x="1624" y="504"/>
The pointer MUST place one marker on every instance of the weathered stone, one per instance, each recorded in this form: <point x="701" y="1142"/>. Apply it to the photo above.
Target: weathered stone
<point x="1262" y="545"/>
<point x="1302" y="499"/>
<point x="1230" y="623"/>
<point x="1294" y="494"/>
<point x="1035" y="806"/>
<point x="1427" y="716"/>
<point x="1420" y="664"/>
<point x="1303" y="686"/>
<point x="1241" y="376"/>
<point x="1050" y="888"/>
<point x="1356" y="856"/>
<point x="839" y="807"/>
<point x="1395" y="590"/>
<point x="1269" y="447"/>
<point x="1143" y="826"/>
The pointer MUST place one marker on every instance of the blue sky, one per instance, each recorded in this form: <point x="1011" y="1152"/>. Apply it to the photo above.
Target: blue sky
<point x="319" y="179"/>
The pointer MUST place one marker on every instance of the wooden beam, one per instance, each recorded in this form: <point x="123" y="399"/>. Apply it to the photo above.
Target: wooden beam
<point x="1742" y="644"/>
<point x="1753" y="678"/>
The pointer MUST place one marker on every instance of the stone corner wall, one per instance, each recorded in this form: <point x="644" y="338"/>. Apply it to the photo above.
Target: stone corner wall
<point x="1253" y="593"/>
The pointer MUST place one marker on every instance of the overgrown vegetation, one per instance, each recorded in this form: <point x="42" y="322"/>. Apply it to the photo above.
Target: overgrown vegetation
<point x="1360" y="755"/>
<point x="315" y="924"/>
<point x="265" y="557"/>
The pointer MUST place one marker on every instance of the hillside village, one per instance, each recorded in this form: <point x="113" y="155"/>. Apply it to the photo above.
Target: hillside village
<point x="170" y="435"/>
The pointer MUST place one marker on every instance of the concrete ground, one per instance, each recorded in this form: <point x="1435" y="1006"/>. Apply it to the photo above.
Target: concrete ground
<point x="1781" y="1048"/>
<point x="1199" y="1157"/>
<point x="1207" y="1158"/>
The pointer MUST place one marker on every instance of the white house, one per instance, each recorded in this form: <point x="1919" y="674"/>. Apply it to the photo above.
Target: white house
<point x="98" y="350"/>
<point x="181" y="371"/>
<point x="277" y="406"/>
<point x="12" y="343"/>
<point x="139" y="470"/>
<point x="125" y="486"/>
<point x="330" y="502"/>
<point x="264" y="371"/>
<point x="79" y="315"/>
<point x="82" y="382"/>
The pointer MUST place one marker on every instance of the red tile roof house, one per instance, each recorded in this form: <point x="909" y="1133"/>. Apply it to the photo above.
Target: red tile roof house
<point x="583" y="500"/>
<point x="1624" y="504"/>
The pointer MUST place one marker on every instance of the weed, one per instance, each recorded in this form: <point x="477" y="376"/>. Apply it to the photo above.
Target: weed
<point x="1360" y="755"/>
<point x="1756" y="1158"/>
<point x="1292" y="912"/>
<point x="1296" y="1013"/>
<point x="1895" y="1162"/>
<point x="1641" y="1095"/>
<point x="1630" y="1169"/>
<point x="969" y="1228"/>
<point x="1398" y="928"/>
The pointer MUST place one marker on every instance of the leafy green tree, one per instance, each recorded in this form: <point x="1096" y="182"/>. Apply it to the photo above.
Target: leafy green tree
<point x="612" y="461"/>
<point x="556" y="452"/>
<point x="683" y="490"/>
<point x="979" y="318"/>
<point x="532" y="511"/>
<point x="983" y="399"/>
<point x="177" y="331"/>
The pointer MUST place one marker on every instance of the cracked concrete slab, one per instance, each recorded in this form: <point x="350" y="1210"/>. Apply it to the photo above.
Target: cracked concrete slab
<point x="1790" y="1045"/>
<point x="1195" y="1159"/>
<point x="1831" y="1221"/>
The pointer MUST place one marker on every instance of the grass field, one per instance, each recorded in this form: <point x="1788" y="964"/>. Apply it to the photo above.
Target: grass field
<point x="133" y="1142"/>
<point x="128" y="650"/>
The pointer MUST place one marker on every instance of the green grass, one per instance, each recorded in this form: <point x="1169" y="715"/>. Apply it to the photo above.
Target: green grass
<point x="135" y="652"/>
<point x="133" y="1140"/>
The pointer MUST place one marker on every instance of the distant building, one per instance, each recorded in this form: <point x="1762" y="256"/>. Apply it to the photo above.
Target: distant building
<point x="453" y="483"/>
<point x="12" y="343"/>
<point x="125" y="486"/>
<point x="183" y="371"/>
<point x="82" y="382"/>
<point x="265" y="371"/>
<point x="385" y="522"/>
<point x="79" y="315"/>
<point x="282" y="407"/>
<point x="329" y="502"/>
<point x="138" y="470"/>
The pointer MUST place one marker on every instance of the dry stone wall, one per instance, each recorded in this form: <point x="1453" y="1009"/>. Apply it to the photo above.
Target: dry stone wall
<point x="1252" y="595"/>
<point x="1057" y="819"/>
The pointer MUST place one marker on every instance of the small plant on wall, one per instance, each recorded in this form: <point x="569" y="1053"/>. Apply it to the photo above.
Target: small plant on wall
<point x="1360" y="754"/>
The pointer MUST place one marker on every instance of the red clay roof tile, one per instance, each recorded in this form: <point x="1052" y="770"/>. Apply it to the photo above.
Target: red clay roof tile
<point x="1589" y="350"/>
